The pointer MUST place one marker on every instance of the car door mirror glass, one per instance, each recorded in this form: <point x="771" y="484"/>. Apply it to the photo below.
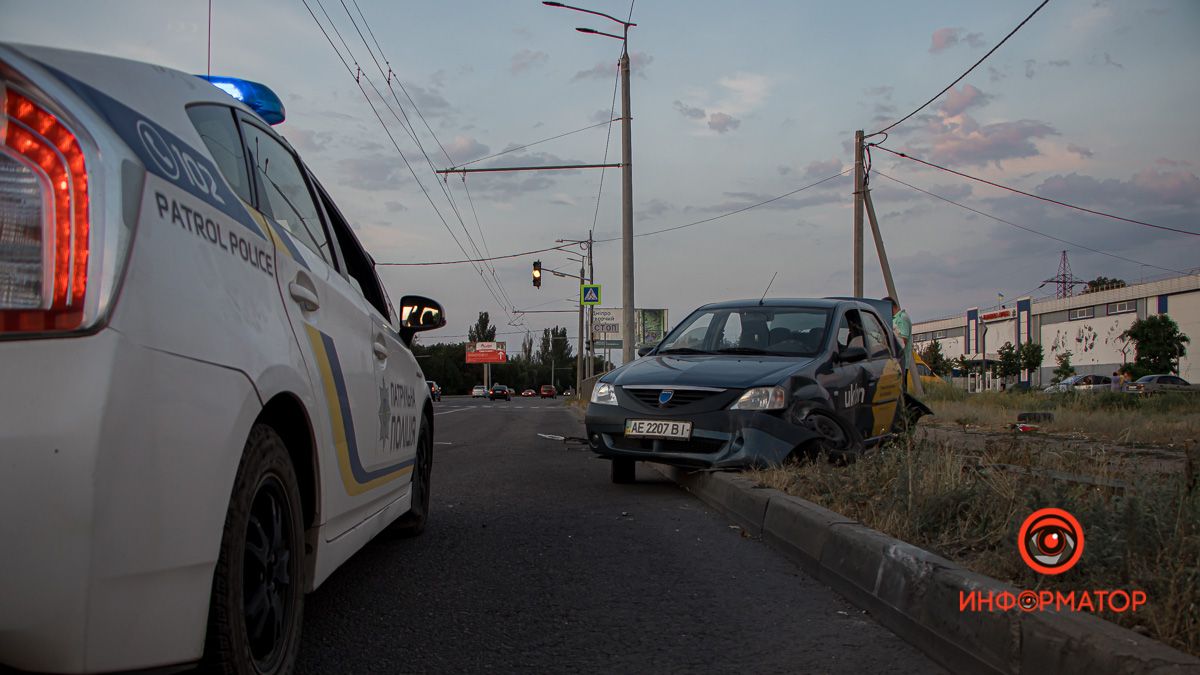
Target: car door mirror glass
<point x="418" y="313"/>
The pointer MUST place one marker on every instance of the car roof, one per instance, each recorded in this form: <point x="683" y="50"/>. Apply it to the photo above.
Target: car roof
<point x="819" y="303"/>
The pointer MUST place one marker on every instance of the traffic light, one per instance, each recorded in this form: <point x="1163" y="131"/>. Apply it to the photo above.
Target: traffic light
<point x="537" y="273"/>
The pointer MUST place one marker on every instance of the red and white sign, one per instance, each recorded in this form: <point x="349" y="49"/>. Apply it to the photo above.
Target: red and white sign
<point x="486" y="352"/>
<point x="999" y="315"/>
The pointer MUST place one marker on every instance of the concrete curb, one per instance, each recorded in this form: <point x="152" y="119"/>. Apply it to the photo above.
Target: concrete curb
<point x="916" y="593"/>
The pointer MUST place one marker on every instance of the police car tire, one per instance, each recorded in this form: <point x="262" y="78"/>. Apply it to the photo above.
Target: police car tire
<point x="265" y="465"/>
<point x="624" y="470"/>
<point x="412" y="523"/>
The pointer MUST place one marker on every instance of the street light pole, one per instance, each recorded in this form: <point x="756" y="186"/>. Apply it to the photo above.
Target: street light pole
<point x="627" y="302"/>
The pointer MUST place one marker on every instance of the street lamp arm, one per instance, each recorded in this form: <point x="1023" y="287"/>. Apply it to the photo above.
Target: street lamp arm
<point x="588" y="11"/>
<point x="592" y="31"/>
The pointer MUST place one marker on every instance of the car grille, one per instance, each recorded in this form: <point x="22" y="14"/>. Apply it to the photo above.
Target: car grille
<point x="682" y="397"/>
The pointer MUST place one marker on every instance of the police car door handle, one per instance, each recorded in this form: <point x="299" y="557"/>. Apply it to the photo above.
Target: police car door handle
<point x="303" y="295"/>
<point x="381" y="350"/>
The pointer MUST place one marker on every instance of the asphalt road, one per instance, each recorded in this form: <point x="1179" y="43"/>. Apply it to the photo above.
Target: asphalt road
<point x="534" y="561"/>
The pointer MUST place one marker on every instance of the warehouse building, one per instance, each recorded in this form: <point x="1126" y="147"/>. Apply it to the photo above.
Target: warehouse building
<point x="1088" y="325"/>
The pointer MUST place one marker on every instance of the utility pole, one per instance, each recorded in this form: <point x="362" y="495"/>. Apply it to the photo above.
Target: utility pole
<point x="627" y="319"/>
<point x="580" y="355"/>
<point x="859" y="180"/>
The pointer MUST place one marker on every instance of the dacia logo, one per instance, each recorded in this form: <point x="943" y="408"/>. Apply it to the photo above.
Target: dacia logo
<point x="664" y="397"/>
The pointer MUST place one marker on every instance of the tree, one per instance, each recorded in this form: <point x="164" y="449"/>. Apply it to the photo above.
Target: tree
<point x="934" y="358"/>
<point x="483" y="330"/>
<point x="1009" y="363"/>
<point x="1064" y="369"/>
<point x="962" y="365"/>
<point x="1158" y="343"/>
<point x="1102" y="284"/>
<point x="1031" y="356"/>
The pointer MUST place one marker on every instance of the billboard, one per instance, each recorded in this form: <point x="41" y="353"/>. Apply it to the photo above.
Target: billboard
<point x="486" y="352"/>
<point x="650" y="326"/>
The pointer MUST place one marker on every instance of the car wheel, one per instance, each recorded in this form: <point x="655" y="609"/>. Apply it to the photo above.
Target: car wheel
<point x="624" y="470"/>
<point x="412" y="523"/>
<point x="834" y="440"/>
<point x="258" y="588"/>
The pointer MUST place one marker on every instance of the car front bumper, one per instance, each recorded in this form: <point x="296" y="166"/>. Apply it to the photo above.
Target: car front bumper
<point x="721" y="439"/>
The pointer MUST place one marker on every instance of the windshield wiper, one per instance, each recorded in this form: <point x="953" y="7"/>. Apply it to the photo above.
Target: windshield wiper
<point x="682" y="350"/>
<point x="743" y="350"/>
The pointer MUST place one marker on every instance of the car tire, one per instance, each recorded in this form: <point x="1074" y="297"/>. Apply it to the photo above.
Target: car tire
<point x="624" y="470"/>
<point x="262" y="551"/>
<point x="412" y="523"/>
<point x="836" y="441"/>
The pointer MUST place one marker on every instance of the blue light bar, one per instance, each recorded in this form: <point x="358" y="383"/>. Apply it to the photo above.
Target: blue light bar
<point x="258" y="97"/>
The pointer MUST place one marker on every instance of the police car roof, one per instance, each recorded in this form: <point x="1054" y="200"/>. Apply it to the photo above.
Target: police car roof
<point x="155" y="91"/>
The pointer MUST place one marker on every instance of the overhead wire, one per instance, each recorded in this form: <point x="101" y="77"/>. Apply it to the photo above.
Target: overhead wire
<point x="735" y="211"/>
<point x="960" y="77"/>
<point x="395" y="144"/>
<point x="1028" y="194"/>
<point x="560" y="247"/>
<point x="530" y="145"/>
<point x="1025" y="228"/>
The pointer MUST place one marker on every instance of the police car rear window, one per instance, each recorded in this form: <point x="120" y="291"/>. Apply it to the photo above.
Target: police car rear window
<point x="218" y="130"/>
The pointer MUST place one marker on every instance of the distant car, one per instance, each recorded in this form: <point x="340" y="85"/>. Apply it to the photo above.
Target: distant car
<point x="1081" y="383"/>
<point x="548" y="391"/>
<point x="528" y="393"/>
<point x="923" y="371"/>
<point x="500" y="391"/>
<point x="435" y="392"/>
<point x="755" y="383"/>
<point x="479" y="391"/>
<point x="1155" y="384"/>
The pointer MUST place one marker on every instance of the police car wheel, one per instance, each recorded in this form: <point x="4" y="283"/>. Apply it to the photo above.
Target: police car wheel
<point x="624" y="470"/>
<point x="258" y="590"/>
<point x="412" y="523"/>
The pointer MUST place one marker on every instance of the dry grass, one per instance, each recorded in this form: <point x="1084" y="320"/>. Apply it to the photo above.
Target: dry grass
<point x="1164" y="420"/>
<point x="968" y="509"/>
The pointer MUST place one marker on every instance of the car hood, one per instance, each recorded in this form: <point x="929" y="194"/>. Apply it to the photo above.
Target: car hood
<point x="705" y="370"/>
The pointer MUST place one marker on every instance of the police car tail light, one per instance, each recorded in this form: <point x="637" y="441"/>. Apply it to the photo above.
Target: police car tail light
<point x="44" y="222"/>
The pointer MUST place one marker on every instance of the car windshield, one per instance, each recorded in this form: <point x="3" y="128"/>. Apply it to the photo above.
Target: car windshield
<point x="779" y="331"/>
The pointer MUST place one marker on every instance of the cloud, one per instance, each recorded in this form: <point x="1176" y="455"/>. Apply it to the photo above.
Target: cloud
<point x="526" y="59"/>
<point x="638" y="62"/>
<point x="783" y="170"/>
<point x="1031" y="66"/>
<point x="748" y="91"/>
<point x="721" y="122"/>
<point x="690" y="112"/>
<point x="562" y="199"/>
<point x="464" y="148"/>
<point x="822" y="169"/>
<point x="975" y="40"/>
<point x="654" y="208"/>
<point x="394" y="206"/>
<point x="963" y="141"/>
<point x="1108" y="61"/>
<point x="1080" y="150"/>
<point x="431" y="103"/>
<point x="883" y="90"/>
<point x="995" y="75"/>
<point x="1148" y="186"/>
<point x="958" y="100"/>
<point x="817" y="197"/>
<point x="375" y="172"/>
<point x="307" y="140"/>
<point x="943" y="39"/>
<point x="603" y="115"/>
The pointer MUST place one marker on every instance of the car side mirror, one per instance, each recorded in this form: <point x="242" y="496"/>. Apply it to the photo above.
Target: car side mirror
<point x="852" y="354"/>
<point x="417" y="314"/>
<point x="642" y="351"/>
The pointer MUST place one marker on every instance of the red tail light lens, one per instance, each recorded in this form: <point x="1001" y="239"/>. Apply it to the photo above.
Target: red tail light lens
<point x="43" y="220"/>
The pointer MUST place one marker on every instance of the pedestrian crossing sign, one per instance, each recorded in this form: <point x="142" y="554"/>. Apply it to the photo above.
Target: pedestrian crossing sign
<point x="589" y="294"/>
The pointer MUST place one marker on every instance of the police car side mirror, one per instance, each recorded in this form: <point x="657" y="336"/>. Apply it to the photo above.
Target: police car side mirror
<point x="418" y="313"/>
<point x="852" y="354"/>
<point x="642" y="351"/>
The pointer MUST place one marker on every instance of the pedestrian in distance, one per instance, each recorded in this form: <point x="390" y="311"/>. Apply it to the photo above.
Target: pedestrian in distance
<point x="1117" y="382"/>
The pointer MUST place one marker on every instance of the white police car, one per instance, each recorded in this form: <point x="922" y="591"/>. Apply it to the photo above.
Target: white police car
<point x="208" y="401"/>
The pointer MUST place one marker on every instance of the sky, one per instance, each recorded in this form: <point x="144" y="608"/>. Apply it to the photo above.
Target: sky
<point x="1093" y="102"/>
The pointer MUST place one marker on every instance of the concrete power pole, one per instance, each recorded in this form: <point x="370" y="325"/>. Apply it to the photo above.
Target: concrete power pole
<point x="858" y="213"/>
<point x="580" y="355"/>
<point x="627" y="320"/>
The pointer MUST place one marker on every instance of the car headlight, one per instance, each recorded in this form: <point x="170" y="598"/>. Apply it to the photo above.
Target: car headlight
<point x="762" y="398"/>
<point x="604" y="394"/>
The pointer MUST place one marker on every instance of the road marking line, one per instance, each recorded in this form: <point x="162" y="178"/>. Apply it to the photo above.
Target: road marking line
<point x="447" y="412"/>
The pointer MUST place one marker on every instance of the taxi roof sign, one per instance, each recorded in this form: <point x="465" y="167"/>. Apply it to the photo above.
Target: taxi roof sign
<point x="589" y="294"/>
